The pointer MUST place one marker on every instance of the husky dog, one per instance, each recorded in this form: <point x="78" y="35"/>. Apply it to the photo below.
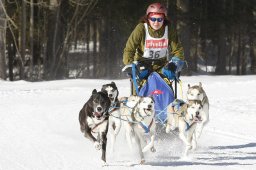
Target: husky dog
<point x="93" y="118"/>
<point x="197" y="93"/>
<point x="186" y="118"/>
<point x="114" y="111"/>
<point x="138" y="119"/>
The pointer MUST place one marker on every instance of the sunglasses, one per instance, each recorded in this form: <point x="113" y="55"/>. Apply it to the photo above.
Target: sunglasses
<point x="156" y="19"/>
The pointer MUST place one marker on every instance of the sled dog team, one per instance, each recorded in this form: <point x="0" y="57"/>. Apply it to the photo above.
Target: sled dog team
<point x="105" y="112"/>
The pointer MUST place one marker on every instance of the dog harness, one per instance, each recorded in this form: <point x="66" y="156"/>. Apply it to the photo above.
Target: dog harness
<point x="96" y="125"/>
<point x="179" y="106"/>
<point x="145" y="127"/>
<point x="114" y="107"/>
<point x="155" y="48"/>
<point x="188" y="125"/>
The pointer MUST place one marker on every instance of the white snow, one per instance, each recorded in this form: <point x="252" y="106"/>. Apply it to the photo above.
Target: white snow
<point x="40" y="130"/>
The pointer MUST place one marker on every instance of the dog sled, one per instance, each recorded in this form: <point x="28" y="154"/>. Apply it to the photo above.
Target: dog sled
<point x="153" y="84"/>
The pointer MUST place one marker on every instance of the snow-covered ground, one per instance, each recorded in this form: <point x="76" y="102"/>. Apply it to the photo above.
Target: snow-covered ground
<point x="40" y="130"/>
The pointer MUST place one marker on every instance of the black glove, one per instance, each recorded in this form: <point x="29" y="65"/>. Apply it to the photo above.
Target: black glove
<point x="171" y="66"/>
<point x="143" y="69"/>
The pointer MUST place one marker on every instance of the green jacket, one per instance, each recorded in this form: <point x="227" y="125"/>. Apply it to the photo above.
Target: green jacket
<point x="135" y="45"/>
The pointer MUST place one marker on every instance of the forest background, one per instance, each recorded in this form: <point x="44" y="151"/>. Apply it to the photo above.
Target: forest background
<point x="64" y="39"/>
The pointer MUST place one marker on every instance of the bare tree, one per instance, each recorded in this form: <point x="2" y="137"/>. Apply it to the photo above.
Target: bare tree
<point x="60" y="34"/>
<point x="22" y="38"/>
<point x="221" y="59"/>
<point x="31" y="30"/>
<point x="2" y="41"/>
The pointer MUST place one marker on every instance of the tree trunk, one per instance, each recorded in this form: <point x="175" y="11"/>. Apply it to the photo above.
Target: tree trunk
<point x="94" y="53"/>
<point x="2" y="41"/>
<point x="221" y="59"/>
<point x="252" y="38"/>
<point x="22" y="42"/>
<point x="31" y="30"/>
<point x="243" y="62"/>
<point x="38" y="43"/>
<point x="50" y="61"/>
<point x="231" y="52"/>
<point x="53" y="34"/>
<point x="11" y="53"/>
<point x="253" y="55"/>
<point x="108" y="38"/>
<point x="87" y="37"/>
<point x="238" y="52"/>
<point x="197" y="52"/>
<point x="185" y="31"/>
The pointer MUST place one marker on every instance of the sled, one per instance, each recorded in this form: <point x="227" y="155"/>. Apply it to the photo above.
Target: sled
<point x="154" y="85"/>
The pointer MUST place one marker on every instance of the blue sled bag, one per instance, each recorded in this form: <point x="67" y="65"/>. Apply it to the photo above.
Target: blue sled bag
<point x="161" y="92"/>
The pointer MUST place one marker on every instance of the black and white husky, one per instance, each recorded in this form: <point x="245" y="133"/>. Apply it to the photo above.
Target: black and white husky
<point x="114" y="111"/>
<point x="197" y="92"/>
<point x="93" y="119"/>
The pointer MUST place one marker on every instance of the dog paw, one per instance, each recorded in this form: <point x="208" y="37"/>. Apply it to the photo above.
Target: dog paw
<point x="153" y="149"/>
<point x="193" y="148"/>
<point x="148" y="147"/>
<point x="97" y="145"/>
<point x="188" y="147"/>
<point x="168" y="129"/>
<point x="142" y="161"/>
<point x="104" y="164"/>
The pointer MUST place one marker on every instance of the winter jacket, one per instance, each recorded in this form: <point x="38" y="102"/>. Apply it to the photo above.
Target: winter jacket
<point x="135" y="45"/>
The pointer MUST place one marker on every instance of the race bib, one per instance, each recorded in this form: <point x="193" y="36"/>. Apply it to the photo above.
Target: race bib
<point x="155" y="48"/>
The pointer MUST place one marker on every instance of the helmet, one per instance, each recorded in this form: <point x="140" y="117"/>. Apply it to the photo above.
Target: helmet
<point x="157" y="8"/>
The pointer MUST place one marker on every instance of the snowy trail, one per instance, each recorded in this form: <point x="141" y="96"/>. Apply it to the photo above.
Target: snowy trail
<point x="40" y="130"/>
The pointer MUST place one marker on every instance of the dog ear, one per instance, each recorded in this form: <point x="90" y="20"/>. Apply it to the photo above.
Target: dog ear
<point x="103" y="87"/>
<point x="200" y="84"/>
<point x="104" y="92"/>
<point x="188" y="85"/>
<point x="113" y="83"/>
<point x="94" y="91"/>
<point x="152" y="98"/>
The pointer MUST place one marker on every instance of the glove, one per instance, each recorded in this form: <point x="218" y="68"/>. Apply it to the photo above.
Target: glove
<point x="168" y="73"/>
<point x="178" y="63"/>
<point x="171" y="66"/>
<point x="143" y="72"/>
<point x="171" y="69"/>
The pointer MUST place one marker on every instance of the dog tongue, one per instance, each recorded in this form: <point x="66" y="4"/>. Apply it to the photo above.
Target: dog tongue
<point x="96" y="114"/>
<point x="197" y="119"/>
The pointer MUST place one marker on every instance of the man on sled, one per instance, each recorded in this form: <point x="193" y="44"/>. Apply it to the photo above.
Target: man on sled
<point x="155" y="58"/>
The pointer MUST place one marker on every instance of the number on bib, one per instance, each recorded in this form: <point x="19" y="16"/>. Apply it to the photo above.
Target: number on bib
<point x="154" y="54"/>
